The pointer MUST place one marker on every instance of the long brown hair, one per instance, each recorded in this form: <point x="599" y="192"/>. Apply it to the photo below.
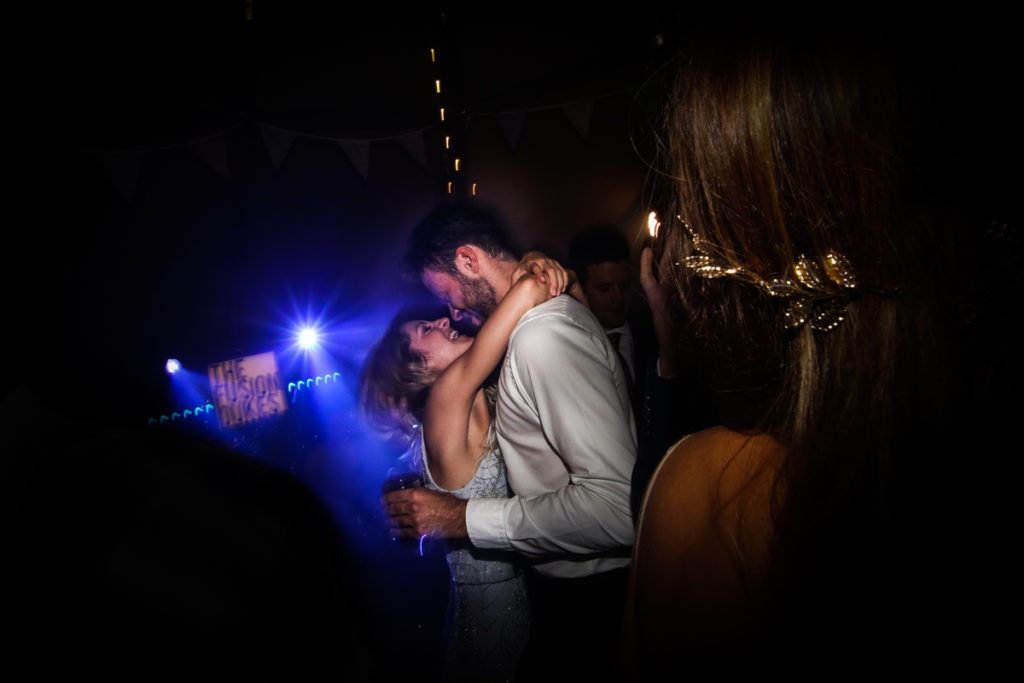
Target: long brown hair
<point x="394" y="382"/>
<point x="790" y="151"/>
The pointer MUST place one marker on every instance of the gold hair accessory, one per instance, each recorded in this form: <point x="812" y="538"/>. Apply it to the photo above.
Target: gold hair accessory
<point x="816" y="293"/>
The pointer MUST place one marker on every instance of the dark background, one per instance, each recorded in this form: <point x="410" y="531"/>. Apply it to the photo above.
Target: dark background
<point x="140" y="247"/>
<point x="149" y="215"/>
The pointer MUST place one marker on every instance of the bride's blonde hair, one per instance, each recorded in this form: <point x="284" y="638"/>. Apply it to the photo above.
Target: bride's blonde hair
<point x="394" y="383"/>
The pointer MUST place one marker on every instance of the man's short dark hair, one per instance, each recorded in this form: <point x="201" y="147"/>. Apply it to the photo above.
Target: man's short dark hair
<point x="434" y="240"/>
<point x="596" y="244"/>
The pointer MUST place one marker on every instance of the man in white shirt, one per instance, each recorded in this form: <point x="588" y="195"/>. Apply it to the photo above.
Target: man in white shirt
<point x="565" y="429"/>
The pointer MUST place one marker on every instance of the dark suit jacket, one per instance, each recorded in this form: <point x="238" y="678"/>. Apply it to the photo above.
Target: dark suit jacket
<point x="665" y="409"/>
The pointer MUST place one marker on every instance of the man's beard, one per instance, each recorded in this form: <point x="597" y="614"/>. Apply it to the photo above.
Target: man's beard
<point x="479" y="297"/>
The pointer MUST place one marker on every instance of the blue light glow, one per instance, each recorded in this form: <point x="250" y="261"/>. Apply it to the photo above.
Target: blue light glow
<point x="308" y="338"/>
<point x="322" y="438"/>
<point x="172" y="366"/>
<point x="294" y="387"/>
<point x="204" y="410"/>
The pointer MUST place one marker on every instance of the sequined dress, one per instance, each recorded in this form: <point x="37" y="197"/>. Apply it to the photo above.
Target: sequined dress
<point x="488" y="617"/>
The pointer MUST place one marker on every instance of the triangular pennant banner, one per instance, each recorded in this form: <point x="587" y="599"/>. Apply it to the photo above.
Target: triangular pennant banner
<point x="413" y="144"/>
<point x="123" y="170"/>
<point x="511" y="124"/>
<point x="578" y="114"/>
<point x="212" y="151"/>
<point x="278" y="142"/>
<point x="358" y="152"/>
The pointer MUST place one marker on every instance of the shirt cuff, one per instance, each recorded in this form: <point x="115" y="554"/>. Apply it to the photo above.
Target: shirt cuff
<point x="485" y="523"/>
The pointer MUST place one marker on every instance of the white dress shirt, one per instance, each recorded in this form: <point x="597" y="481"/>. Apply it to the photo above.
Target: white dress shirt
<point x="565" y="428"/>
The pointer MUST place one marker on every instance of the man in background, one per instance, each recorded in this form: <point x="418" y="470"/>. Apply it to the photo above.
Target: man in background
<point x="668" y="391"/>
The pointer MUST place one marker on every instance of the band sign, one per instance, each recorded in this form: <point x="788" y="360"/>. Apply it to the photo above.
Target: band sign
<point x="246" y="389"/>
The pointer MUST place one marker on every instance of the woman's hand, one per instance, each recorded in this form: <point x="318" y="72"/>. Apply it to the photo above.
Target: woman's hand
<point x="657" y="296"/>
<point x="547" y="270"/>
<point x="658" y="300"/>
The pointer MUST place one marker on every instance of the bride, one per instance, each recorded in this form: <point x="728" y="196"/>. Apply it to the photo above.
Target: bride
<point x="424" y="372"/>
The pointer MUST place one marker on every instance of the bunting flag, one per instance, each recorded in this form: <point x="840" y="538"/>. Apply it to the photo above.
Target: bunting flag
<point x="278" y="142"/>
<point x="122" y="169"/>
<point x="212" y="151"/>
<point x="358" y="152"/>
<point x="578" y="114"/>
<point x="416" y="147"/>
<point x="511" y="124"/>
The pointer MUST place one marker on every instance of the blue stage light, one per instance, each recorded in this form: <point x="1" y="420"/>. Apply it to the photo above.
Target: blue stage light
<point x="172" y="366"/>
<point x="308" y="338"/>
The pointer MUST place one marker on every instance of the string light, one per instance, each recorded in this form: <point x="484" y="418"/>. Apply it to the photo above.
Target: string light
<point x="204" y="410"/>
<point x="450" y="149"/>
<point x="474" y="189"/>
<point x="175" y="416"/>
<point x="312" y="382"/>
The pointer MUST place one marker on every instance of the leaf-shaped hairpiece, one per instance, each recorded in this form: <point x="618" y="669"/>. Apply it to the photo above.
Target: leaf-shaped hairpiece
<point x="817" y="295"/>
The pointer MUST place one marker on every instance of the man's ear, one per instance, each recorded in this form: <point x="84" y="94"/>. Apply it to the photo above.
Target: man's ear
<point x="467" y="260"/>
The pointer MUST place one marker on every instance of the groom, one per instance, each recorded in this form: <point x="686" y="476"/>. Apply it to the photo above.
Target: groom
<point x="564" y="425"/>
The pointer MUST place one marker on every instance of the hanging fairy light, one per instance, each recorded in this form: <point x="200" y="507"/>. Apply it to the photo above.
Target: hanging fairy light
<point x="452" y="155"/>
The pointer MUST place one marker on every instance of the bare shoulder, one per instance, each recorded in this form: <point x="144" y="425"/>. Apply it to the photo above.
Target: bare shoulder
<point x="705" y="529"/>
<point x="717" y="460"/>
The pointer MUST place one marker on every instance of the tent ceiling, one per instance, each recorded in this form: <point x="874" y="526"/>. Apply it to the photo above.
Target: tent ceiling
<point x="139" y="74"/>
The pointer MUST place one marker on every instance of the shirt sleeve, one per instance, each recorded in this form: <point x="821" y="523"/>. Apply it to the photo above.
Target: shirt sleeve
<point x="565" y="377"/>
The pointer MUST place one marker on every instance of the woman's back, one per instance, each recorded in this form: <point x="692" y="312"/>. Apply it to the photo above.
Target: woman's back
<point x="855" y="313"/>
<point x="703" y="552"/>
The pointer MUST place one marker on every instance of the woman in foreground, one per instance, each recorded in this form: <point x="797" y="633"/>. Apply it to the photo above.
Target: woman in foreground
<point x="423" y="372"/>
<point x="833" y="524"/>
